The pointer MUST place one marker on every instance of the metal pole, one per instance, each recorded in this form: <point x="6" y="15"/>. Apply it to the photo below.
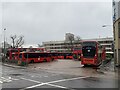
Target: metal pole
<point x="27" y="60"/>
<point x="4" y="46"/>
<point x="114" y="45"/>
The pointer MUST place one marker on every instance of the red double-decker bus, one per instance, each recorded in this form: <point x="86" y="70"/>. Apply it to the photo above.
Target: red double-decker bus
<point x="31" y="57"/>
<point x="12" y="53"/>
<point x="92" y="53"/>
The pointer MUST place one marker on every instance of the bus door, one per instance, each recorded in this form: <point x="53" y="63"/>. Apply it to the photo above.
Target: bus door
<point x="75" y="56"/>
<point x="64" y="55"/>
<point x="99" y="54"/>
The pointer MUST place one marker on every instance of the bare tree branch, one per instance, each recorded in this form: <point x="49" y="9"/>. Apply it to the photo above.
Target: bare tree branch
<point x="17" y="42"/>
<point x="78" y="38"/>
<point x="13" y="37"/>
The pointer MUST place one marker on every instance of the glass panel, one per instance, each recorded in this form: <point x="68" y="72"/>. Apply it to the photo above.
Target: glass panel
<point x="88" y="51"/>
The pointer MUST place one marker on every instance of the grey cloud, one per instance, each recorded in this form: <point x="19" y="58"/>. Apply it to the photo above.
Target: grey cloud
<point x="44" y="21"/>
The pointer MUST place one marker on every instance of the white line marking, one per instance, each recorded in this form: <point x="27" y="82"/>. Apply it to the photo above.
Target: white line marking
<point x="31" y="80"/>
<point x="57" y="86"/>
<point x="62" y="80"/>
<point x="1" y="82"/>
<point x="32" y="86"/>
<point x="42" y="83"/>
<point x="3" y="79"/>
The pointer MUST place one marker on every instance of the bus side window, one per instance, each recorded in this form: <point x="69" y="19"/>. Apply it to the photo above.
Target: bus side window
<point x="20" y="56"/>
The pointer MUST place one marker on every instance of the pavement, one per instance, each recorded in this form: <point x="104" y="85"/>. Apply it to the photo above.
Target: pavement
<point x="13" y="65"/>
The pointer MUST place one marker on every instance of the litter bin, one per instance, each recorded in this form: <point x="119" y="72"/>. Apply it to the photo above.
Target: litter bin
<point x="23" y="63"/>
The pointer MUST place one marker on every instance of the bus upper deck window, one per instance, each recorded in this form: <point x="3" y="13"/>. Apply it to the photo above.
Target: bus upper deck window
<point x="20" y="56"/>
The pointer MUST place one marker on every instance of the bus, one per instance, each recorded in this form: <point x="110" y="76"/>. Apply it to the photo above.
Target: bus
<point x="31" y="57"/>
<point x="15" y="56"/>
<point x="65" y="55"/>
<point x="77" y="53"/>
<point x="92" y="53"/>
<point x="69" y="55"/>
<point x="13" y="52"/>
<point x="54" y="55"/>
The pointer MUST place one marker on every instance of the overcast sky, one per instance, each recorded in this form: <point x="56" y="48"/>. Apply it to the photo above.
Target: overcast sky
<point x="49" y="21"/>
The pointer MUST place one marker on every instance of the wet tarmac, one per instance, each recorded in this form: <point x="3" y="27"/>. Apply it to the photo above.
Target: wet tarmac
<point x="65" y="74"/>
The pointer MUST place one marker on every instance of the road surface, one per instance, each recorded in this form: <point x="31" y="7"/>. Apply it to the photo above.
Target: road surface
<point x="65" y="74"/>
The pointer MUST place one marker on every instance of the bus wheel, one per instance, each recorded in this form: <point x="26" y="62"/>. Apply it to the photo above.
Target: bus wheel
<point x="52" y="59"/>
<point x="98" y="65"/>
<point x="32" y="61"/>
<point x="85" y="65"/>
<point x="44" y="60"/>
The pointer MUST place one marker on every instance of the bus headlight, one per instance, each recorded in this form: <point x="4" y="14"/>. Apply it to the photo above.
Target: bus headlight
<point x="81" y="54"/>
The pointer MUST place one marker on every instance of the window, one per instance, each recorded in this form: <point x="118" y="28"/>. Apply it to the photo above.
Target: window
<point x="89" y="51"/>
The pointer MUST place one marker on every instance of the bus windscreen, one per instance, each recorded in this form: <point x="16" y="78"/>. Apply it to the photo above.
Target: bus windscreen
<point x="88" y="51"/>
<point x="89" y="44"/>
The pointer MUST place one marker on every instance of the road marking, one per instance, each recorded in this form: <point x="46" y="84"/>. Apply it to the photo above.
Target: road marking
<point x="7" y="79"/>
<point x="31" y="80"/>
<point x="57" y="86"/>
<point x="1" y="82"/>
<point x="49" y="83"/>
<point x="62" y="80"/>
<point x="42" y="83"/>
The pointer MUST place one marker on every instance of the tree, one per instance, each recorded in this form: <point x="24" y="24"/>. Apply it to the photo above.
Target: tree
<point x="17" y="41"/>
<point x="72" y="42"/>
<point x="39" y="45"/>
<point x="78" y="38"/>
<point x="13" y="37"/>
<point x="77" y="42"/>
<point x="69" y="43"/>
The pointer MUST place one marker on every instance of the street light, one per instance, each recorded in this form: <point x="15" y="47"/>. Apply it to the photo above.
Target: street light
<point x="113" y="44"/>
<point x="4" y="45"/>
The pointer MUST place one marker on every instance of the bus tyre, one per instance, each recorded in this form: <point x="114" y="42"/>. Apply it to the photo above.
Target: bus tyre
<point x="52" y="59"/>
<point x="85" y="65"/>
<point x="44" y="60"/>
<point x="32" y="61"/>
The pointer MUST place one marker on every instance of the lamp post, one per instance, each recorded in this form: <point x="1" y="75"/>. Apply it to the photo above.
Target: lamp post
<point x="4" y="46"/>
<point x="112" y="43"/>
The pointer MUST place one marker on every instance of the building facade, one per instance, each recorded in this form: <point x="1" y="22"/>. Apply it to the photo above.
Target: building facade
<point x="116" y="31"/>
<point x="61" y="46"/>
<point x="65" y="46"/>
